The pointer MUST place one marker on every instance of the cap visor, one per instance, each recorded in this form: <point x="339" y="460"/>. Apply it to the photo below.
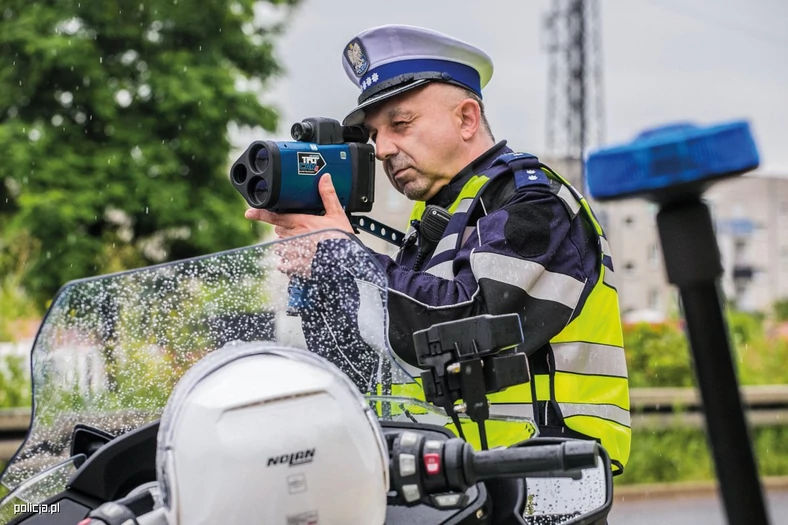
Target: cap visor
<point x="356" y="117"/>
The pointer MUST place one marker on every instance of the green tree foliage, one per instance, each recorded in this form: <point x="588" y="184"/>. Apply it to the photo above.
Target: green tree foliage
<point x="781" y="310"/>
<point x="14" y="384"/>
<point x="682" y="454"/>
<point x="17" y="305"/>
<point x="659" y="355"/>
<point x="114" y="129"/>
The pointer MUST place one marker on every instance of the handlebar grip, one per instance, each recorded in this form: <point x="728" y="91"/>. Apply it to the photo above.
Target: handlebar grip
<point x="580" y="454"/>
<point x="515" y="462"/>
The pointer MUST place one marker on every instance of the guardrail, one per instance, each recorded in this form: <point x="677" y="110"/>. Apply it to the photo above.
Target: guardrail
<point x="14" y="423"/>
<point x="656" y="408"/>
<point x="765" y="405"/>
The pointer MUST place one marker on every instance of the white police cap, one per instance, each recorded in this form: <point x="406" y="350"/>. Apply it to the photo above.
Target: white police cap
<point x="388" y="60"/>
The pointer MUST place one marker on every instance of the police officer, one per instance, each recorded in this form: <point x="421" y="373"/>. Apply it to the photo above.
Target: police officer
<point x="519" y="238"/>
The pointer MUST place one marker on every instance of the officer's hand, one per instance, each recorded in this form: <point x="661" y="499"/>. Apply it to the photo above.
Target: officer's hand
<point x="296" y="255"/>
<point x="290" y="224"/>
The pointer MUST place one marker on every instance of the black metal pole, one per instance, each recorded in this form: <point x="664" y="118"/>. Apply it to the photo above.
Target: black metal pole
<point x="692" y="261"/>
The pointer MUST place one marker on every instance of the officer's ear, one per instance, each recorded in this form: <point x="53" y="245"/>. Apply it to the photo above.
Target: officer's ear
<point x="470" y="116"/>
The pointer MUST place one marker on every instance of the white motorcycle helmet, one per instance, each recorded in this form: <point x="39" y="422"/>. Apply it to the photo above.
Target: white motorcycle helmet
<point x="260" y="434"/>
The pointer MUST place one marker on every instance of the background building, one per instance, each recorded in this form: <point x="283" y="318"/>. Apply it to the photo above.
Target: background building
<point x="751" y="218"/>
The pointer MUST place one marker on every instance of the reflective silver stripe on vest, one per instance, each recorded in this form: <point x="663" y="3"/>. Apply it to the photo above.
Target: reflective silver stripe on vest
<point x="467" y="233"/>
<point x="605" y="246"/>
<point x="528" y="275"/>
<point x="609" y="412"/>
<point x="576" y="195"/>
<point x="610" y="277"/>
<point x="565" y="195"/>
<point x="443" y="270"/>
<point x="525" y="410"/>
<point x="446" y="244"/>
<point x="590" y="359"/>
<point x="464" y="206"/>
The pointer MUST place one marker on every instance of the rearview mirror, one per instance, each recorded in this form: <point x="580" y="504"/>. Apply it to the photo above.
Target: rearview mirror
<point x="582" y="497"/>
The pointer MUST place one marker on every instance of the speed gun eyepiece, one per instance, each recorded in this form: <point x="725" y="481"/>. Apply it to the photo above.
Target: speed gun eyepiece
<point x="306" y="131"/>
<point x="669" y="162"/>
<point x="283" y="176"/>
<point x="302" y="131"/>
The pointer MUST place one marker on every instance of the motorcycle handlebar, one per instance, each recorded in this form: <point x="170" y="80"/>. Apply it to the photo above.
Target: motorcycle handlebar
<point x="516" y="462"/>
<point x="420" y="469"/>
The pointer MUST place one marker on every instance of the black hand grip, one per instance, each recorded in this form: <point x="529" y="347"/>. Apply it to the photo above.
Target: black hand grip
<point x="489" y="464"/>
<point x="580" y="454"/>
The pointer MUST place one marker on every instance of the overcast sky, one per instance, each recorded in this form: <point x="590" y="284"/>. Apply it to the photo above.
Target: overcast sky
<point x="664" y="60"/>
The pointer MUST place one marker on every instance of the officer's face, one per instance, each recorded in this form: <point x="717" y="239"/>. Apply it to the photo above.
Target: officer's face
<point x="419" y="138"/>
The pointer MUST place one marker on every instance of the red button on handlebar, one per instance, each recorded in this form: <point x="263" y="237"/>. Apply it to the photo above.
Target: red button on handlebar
<point x="86" y="521"/>
<point x="432" y="463"/>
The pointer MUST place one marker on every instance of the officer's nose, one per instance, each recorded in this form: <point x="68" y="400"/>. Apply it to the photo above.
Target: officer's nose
<point x="384" y="147"/>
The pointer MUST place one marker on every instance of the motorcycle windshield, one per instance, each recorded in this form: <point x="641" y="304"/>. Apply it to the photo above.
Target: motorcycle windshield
<point x="111" y="348"/>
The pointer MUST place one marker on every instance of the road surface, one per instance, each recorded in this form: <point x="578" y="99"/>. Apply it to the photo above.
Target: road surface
<point x="690" y="510"/>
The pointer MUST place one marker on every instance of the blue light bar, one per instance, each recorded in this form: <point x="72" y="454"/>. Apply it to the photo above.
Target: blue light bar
<point x="662" y="161"/>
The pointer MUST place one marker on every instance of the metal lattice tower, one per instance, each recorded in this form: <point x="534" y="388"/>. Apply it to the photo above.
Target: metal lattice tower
<point x="575" y="97"/>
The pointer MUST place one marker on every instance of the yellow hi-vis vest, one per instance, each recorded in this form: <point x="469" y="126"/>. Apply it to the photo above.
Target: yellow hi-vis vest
<point x="587" y="384"/>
